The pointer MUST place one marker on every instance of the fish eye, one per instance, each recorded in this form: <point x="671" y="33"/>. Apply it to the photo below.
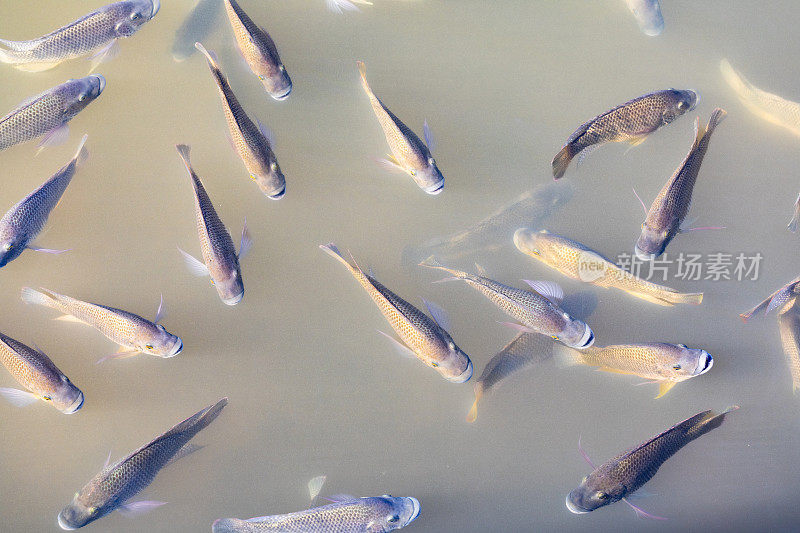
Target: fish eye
<point x="451" y="345"/>
<point x="434" y="365"/>
<point x="600" y="495"/>
<point x="7" y="246"/>
<point x="431" y="162"/>
<point x="682" y="105"/>
<point x="536" y="252"/>
<point x="413" y="172"/>
<point x="584" y="479"/>
<point x="282" y="68"/>
<point x="82" y="97"/>
<point x="392" y="519"/>
<point x="273" y="166"/>
<point x="148" y="346"/>
<point x="47" y="398"/>
<point x="676" y="367"/>
<point x="136" y="16"/>
<point x="159" y="326"/>
<point x="262" y="78"/>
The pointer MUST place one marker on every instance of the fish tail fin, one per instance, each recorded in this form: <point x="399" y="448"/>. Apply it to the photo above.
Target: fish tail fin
<point x="211" y="57"/>
<point x="792" y="226"/>
<point x="228" y="525"/>
<point x="199" y="420"/>
<point x="334" y="252"/>
<point x="561" y="160"/>
<point x="700" y="133"/>
<point x="708" y="421"/>
<point x="82" y="153"/>
<point x="472" y="415"/>
<point x="184" y="152"/>
<point x="362" y="69"/>
<point x="431" y="262"/>
<point x="43" y="297"/>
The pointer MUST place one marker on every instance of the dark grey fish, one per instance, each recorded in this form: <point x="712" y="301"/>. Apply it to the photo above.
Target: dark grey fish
<point x="624" y="474"/>
<point x="115" y="485"/>
<point x="630" y="122"/>
<point x="669" y="209"/>
<point x="776" y="300"/>
<point x="197" y="25"/>
<point x="49" y="112"/>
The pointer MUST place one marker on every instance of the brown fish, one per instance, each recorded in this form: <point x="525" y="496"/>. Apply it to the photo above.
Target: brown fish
<point x="669" y="209"/>
<point x="630" y="122"/>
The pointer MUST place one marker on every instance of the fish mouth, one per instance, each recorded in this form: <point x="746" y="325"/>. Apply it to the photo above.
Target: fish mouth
<point x="642" y="255"/>
<point x="435" y="189"/>
<point x="234" y="299"/>
<point x="520" y="237"/>
<point x="156" y="7"/>
<point x="282" y="96"/>
<point x="573" y="508"/>
<point x="77" y="404"/>
<point x="62" y="523"/>
<point x="696" y="99"/>
<point x="415" y="507"/>
<point x="278" y="195"/>
<point x="707" y="363"/>
<point x="178" y="348"/>
<point x="587" y="339"/>
<point x="464" y="376"/>
<point x="102" y="81"/>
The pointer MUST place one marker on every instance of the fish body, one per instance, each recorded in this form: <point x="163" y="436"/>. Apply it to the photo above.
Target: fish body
<point x="630" y="122"/>
<point x="197" y="25"/>
<point x="538" y="311"/>
<point x="94" y="33"/>
<point x="409" y="153"/>
<point x="251" y="142"/>
<point x="579" y="262"/>
<point x="23" y="222"/>
<point x="220" y="259"/>
<point x="777" y="300"/>
<point x="792" y="226"/>
<point x="131" y="332"/>
<point x="789" y="326"/>
<point x="352" y="515"/>
<point x="37" y="373"/>
<point x="259" y="51"/>
<point x="624" y="474"/>
<point x="669" y="209"/>
<point x="766" y="106"/>
<point x="648" y="16"/>
<point x="428" y="341"/>
<point x="116" y="484"/>
<point x="49" y="112"/>
<point x="663" y="363"/>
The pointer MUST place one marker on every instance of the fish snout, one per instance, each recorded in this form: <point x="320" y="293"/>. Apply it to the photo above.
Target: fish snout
<point x="156" y="7"/>
<point x="101" y="83"/>
<point x="277" y="195"/>
<point x="415" y="508"/>
<point x="573" y="507"/>
<point x="464" y="376"/>
<point x="65" y="523"/>
<point x="233" y="300"/>
<point x="74" y="406"/>
<point x="587" y="339"/>
<point x="282" y="95"/>
<point x="697" y="97"/>
<point x="176" y="348"/>
<point x="704" y="363"/>
<point x="642" y="255"/>
<point x="435" y="189"/>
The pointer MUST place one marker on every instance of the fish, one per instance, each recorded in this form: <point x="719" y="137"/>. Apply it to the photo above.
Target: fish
<point x="776" y="300"/>
<point x="621" y="476"/>
<point x="792" y="226"/>
<point x="409" y="153"/>
<point x="252" y="143"/>
<point x="789" y="327"/>
<point x="663" y="363"/>
<point x="116" y="484"/>
<point x="259" y="51"/>
<point x="537" y="310"/>
<point x="340" y="6"/>
<point x="135" y="335"/>
<point x="39" y="375"/>
<point x="668" y="211"/>
<point x="530" y="208"/>
<point x="346" y="515"/>
<point x="96" y="33"/>
<point x="631" y="122"/>
<point x="20" y="226"/>
<point x="197" y="25"/>
<point x="766" y="106"/>
<point x="648" y="16"/>
<point x="49" y="112"/>
<point x="421" y="336"/>
<point x="524" y="350"/>
<point x="220" y="259"/>
<point x="579" y="262"/>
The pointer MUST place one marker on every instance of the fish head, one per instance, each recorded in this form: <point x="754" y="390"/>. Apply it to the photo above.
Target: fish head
<point x="595" y="491"/>
<point x="231" y="290"/>
<point x="681" y="101"/>
<point x="82" y="92"/>
<point x="577" y="334"/>
<point x="547" y="247"/>
<point x="135" y="15"/>
<point x="652" y="242"/>
<point x="65" y="396"/>
<point x="12" y="244"/>
<point x="455" y="366"/>
<point x="686" y="363"/>
<point x="277" y="83"/>
<point x="428" y="178"/>
<point x="161" y="343"/>
<point x="389" y="512"/>
<point x="271" y="181"/>
<point x="78" y="514"/>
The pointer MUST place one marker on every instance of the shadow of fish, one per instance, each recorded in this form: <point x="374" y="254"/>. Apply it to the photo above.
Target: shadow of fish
<point x="197" y="26"/>
<point x="648" y="15"/>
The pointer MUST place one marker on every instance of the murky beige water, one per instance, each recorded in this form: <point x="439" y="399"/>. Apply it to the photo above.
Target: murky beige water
<point x="313" y="388"/>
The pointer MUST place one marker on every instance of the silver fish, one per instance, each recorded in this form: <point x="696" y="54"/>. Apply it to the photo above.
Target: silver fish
<point x="116" y="484"/>
<point x="37" y="373"/>
<point x="348" y="515"/>
<point x="648" y="16"/>
<point x="49" y="112"/>
<point x="776" y="300"/>
<point x="220" y="260"/>
<point x="96" y="33"/>
<point x="792" y="226"/>
<point x="197" y="25"/>
<point x="131" y="332"/>
<point x="22" y="223"/>
<point x="340" y="6"/>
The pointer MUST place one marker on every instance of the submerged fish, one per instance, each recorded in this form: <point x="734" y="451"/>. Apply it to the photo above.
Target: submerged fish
<point x="776" y="300"/>
<point x="348" y="515"/>
<point x="426" y="339"/>
<point x="630" y="122"/>
<point x="252" y="143"/>
<point x="96" y="33"/>
<point x="669" y="209"/>
<point x="663" y="363"/>
<point x="537" y="310"/>
<point x="131" y="332"/>
<point x="576" y="261"/>
<point x="197" y="25"/>
<point x="792" y="226"/>
<point x="20" y="226"/>
<point x="524" y="350"/>
<point x="789" y="326"/>
<point x="648" y="15"/>
<point x="767" y="106"/>
<point x="340" y="6"/>
<point x="529" y="209"/>
<point x="49" y="112"/>
<point x="259" y="51"/>
<point x="220" y="260"/>
<point x="37" y="373"/>
<point x="116" y="484"/>
<point x="624" y="474"/>
<point x="409" y="153"/>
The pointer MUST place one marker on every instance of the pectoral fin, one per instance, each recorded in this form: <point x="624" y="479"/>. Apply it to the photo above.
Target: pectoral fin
<point x="664" y="388"/>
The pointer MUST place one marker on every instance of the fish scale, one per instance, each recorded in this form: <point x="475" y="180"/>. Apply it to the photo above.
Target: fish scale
<point x="31" y="368"/>
<point x="789" y="326"/>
